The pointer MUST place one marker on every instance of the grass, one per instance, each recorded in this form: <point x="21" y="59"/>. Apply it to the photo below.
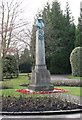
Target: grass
<point x="73" y="77"/>
<point x="15" y="83"/>
<point x="72" y="90"/>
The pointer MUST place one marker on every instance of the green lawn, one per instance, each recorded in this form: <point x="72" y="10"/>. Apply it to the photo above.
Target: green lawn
<point x="72" y="77"/>
<point x="72" y="90"/>
<point x="14" y="84"/>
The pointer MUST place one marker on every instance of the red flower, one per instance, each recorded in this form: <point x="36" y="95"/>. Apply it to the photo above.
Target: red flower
<point x="55" y="90"/>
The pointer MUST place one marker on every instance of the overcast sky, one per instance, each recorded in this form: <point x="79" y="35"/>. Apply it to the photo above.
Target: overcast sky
<point x="32" y="6"/>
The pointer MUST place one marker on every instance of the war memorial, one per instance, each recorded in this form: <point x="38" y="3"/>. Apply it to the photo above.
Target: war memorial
<point x="43" y="98"/>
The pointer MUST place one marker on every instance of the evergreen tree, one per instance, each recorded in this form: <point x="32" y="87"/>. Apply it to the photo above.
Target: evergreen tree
<point x="61" y="39"/>
<point x="78" y="41"/>
<point x="25" y="61"/>
<point x="32" y="44"/>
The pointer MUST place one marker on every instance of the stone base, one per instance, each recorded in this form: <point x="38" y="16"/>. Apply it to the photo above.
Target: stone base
<point x="40" y="79"/>
<point x="41" y="87"/>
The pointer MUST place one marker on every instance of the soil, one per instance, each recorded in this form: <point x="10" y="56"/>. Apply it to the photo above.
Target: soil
<point x="30" y="104"/>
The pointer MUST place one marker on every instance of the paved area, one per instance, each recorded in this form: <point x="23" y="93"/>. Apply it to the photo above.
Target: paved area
<point x="41" y="117"/>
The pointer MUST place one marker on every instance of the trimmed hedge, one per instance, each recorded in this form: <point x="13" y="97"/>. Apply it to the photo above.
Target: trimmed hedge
<point x="76" y="61"/>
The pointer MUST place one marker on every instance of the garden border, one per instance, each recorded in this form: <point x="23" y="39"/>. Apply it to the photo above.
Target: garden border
<point x="67" y="97"/>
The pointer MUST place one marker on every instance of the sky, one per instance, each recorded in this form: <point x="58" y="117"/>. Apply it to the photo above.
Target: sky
<point x="31" y="7"/>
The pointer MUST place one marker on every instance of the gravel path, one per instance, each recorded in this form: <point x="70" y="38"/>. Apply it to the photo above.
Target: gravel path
<point x="61" y="78"/>
<point x="64" y="81"/>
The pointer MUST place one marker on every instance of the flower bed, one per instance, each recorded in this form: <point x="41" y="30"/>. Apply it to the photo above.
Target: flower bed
<point x="55" y="90"/>
<point x="31" y="104"/>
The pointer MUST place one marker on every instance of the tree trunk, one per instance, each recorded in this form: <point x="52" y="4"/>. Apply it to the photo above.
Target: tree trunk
<point x="1" y="69"/>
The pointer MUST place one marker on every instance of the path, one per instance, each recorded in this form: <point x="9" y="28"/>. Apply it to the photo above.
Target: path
<point x="76" y="116"/>
<point x="61" y="78"/>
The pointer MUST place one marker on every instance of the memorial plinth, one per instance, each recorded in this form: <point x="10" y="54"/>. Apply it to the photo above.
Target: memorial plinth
<point x="40" y="79"/>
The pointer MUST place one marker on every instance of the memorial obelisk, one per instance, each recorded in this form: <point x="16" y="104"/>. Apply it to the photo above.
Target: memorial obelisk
<point x="40" y="79"/>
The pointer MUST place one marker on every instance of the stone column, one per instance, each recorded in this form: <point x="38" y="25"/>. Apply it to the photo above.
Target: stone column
<point x="40" y="49"/>
<point x="40" y="79"/>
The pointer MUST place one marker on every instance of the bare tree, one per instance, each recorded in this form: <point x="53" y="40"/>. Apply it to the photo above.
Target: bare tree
<point x="12" y="29"/>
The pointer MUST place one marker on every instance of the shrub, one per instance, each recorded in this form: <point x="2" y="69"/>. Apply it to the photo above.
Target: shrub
<point x="76" y="61"/>
<point x="10" y="69"/>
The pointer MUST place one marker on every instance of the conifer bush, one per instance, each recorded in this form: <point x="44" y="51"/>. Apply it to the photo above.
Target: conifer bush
<point x="10" y="69"/>
<point x="76" y="61"/>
